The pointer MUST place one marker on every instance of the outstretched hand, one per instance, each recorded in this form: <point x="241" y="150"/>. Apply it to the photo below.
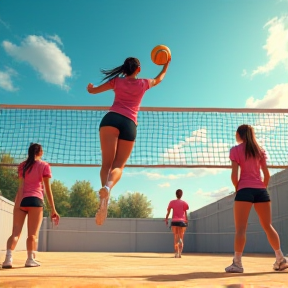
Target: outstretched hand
<point x="90" y="87"/>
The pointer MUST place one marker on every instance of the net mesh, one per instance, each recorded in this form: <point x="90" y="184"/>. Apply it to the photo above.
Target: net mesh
<point x="166" y="137"/>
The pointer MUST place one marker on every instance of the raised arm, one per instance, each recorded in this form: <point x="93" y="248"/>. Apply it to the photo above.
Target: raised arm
<point x="160" y="76"/>
<point x="99" y="89"/>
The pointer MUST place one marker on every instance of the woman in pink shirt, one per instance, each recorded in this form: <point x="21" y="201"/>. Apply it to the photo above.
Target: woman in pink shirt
<point x="251" y="190"/>
<point x="29" y="202"/>
<point x="118" y="127"/>
<point x="179" y="221"/>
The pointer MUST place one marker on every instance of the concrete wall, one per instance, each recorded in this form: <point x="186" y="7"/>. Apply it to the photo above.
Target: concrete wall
<point x="6" y="222"/>
<point x="213" y="225"/>
<point x="116" y="235"/>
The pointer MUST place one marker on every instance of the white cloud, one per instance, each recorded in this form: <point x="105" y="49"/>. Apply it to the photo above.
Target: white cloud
<point x="244" y="73"/>
<point x="163" y="185"/>
<point x="276" y="97"/>
<point x="276" y="45"/>
<point x="198" y="147"/>
<point x="216" y="194"/>
<point x="197" y="172"/>
<point x="6" y="80"/>
<point x="55" y="38"/>
<point x="4" y="24"/>
<point x="44" y="56"/>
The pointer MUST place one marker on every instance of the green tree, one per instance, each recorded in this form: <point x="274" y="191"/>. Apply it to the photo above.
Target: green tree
<point x="113" y="209"/>
<point x="8" y="178"/>
<point x="61" y="199"/>
<point x="83" y="200"/>
<point x="134" y="205"/>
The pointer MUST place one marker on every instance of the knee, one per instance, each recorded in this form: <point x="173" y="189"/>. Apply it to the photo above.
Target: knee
<point x="32" y="238"/>
<point x="241" y="231"/>
<point x="106" y="167"/>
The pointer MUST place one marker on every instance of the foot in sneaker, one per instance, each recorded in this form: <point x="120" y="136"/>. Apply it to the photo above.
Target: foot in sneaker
<point x="234" y="268"/>
<point x="7" y="263"/>
<point x="101" y="214"/>
<point x="31" y="263"/>
<point x="282" y="265"/>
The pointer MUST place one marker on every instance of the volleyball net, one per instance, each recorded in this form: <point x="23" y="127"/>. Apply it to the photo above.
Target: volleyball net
<point x="166" y="137"/>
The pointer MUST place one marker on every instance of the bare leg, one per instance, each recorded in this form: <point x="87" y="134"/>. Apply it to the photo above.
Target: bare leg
<point x="124" y="149"/>
<point x="176" y="239"/>
<point x="263" y="210"/>
<point x="241" y="215"/>
<point x="18" y="221"/>
<point x="109" y="140"/>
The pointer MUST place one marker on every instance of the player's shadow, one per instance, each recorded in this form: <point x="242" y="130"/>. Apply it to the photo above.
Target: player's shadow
<point x="200" y="275"/>
<point x="139" y="256"/>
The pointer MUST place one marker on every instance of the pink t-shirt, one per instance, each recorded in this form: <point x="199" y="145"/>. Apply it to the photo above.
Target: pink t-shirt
<point x="33" y="181"/>
<point x="128" y="96"/>
<point x="179" y="207"/>
<point x="250" y="176"/>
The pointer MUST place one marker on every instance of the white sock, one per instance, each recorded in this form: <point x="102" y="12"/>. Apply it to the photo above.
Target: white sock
<point x="107" y="188"/>
<point x="9" y="253"/>
<point x="30" y="254"/>
<point x="237" y="258"/>
<point x="279" y="255"/>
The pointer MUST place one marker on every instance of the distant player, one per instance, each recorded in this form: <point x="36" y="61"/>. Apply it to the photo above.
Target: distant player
<point x="179" y="221"/>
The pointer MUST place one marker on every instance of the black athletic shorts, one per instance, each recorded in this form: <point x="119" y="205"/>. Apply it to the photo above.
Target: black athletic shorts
<point x="179" y="224"/>
<point x="127" y="127"/>
<point x="253" y="195"/>
<point x="31" y="202"/>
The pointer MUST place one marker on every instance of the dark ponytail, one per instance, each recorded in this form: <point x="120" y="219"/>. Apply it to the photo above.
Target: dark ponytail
<point x="33" y="150"/>
<point x="246" y="133"/>
<point x="128" y="68"/>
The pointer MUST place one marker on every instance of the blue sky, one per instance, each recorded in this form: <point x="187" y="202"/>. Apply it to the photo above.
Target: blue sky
<point x="230" y="54"/>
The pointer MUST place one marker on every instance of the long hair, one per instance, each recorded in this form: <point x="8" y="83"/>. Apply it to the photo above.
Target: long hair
<point x="33" y="150"/>
<point x="246" y="133"/>
<point x="179" y="193"/>
<point x="128" y="68"/>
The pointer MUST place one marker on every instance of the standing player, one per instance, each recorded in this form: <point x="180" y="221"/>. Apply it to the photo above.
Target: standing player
<point x="179" y="221"/>
<point x="251" y="190"/>
<point x="119" y="126"/>
<point x="29" y="202"/>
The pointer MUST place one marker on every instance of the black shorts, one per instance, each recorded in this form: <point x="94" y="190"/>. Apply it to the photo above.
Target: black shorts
<point x="31" y="202"/>
<point x="179" y="224"/>
<point x="253" y="195"/>
<point x="127" y="127"/>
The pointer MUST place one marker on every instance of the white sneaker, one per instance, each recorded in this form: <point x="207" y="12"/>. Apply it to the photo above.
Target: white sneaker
<point x="234" y="268"/>
<point x="282" y="265"/>
<point x="7" y="263"/>
<point x="101" y="214"/>
<point x="31" y="263"/>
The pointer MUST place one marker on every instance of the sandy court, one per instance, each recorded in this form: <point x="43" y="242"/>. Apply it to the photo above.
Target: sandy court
<point x="67" y="269"/>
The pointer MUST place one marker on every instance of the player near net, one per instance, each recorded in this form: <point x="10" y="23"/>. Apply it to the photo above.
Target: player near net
<point x="179" y="221"/>
<point x="119" y="126"/>
<point x="251" y="190"/>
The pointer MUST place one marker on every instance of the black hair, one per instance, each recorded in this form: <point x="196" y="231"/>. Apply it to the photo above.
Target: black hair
<point x="128" y="68"/>
<point x="246" y="133"/>
<point x="33" y="150"/>
<point x="179" y="193"/>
